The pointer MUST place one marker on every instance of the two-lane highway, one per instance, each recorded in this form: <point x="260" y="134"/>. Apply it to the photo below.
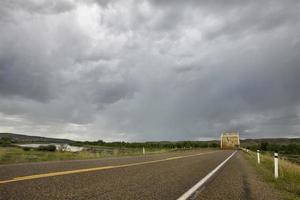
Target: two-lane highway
<point x="164" y="176"/>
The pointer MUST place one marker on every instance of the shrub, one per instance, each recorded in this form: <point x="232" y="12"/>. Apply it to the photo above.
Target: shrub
<point x="5" y="142"/>
<point x="26" y="148"/>
<point x="47" y="148"/>
<point x="214" y="145"/>
<point x="264" y="146"/>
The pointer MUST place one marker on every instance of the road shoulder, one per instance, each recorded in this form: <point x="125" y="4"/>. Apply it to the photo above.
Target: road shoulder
<point x="240" y="181"/>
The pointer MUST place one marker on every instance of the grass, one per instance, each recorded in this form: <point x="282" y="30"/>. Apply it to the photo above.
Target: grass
<point x="18" y="155"/>
<point x="10" y="155"/>
<point x="292" y="157"/>
<point x="288" y="182"/>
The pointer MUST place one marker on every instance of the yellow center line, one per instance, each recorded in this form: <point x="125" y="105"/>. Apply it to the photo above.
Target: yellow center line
<point x="36" y="176"/>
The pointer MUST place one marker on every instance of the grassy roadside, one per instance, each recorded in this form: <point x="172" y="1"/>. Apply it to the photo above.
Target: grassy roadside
<point x="18" y="155"/>
<point x="9" y="155"/>
<point x="288" y="182"/>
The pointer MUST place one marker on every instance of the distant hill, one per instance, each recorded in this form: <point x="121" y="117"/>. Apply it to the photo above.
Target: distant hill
<point x="18" y="138"/>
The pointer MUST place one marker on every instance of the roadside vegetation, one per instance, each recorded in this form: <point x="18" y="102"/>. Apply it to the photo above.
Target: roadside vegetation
<point x="290" y="151"/>
<point x="162" y="144"/>
<point x="6" y="139"/>
<point x="20" y="155"/>
<point x="16" y="154"/>
<point x="13" y="154"/>
<point x="288" y="182"/>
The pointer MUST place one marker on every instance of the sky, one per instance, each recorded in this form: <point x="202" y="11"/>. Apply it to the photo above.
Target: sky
<point x="150" y="70"/>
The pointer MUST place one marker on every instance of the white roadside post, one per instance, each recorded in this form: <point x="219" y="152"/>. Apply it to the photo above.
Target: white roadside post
<point x="258" y="157"/>
<point x="276" y="165"/>
<point x="144" y="152"/>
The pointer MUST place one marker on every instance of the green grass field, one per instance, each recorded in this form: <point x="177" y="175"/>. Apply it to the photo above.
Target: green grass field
<point x="292" y="157"/>
<point x="10" y="155"/>
<point x="288" y="182"/>
<point x="18" y="155"/>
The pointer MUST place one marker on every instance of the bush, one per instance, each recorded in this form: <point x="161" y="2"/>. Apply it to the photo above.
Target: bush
<point x="5" y="142"/>
<point x="264" y="146"/>
<point x="47" y="148"/>
<point x="26" y="148"/>
<point x="213" y="145"/>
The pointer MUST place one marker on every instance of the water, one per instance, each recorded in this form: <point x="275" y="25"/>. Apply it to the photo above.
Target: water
<point x="59" y="147"/>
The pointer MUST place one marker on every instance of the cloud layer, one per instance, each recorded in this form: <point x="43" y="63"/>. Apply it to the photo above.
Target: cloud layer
<point x="150" y="70"/>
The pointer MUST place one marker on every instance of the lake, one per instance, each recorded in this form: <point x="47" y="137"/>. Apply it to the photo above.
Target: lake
<point x="59" y="147"/>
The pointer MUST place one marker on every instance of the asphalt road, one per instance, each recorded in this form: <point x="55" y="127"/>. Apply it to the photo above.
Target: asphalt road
<point x="164" y="176"/>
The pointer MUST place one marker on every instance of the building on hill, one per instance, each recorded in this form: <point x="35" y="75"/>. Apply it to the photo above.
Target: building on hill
<point x="230" y="140"/>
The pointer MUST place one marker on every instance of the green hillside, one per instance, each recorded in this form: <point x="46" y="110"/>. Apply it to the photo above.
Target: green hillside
<point x="18" y="138"/>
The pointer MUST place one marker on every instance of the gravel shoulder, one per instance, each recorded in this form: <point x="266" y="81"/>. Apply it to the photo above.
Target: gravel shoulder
<point x="240" y="181"/>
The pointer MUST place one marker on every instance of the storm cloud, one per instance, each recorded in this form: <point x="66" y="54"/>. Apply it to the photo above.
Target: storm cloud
<point x="150" y="70"/>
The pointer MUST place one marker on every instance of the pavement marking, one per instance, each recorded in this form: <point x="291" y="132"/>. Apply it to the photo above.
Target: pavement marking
<point x="51" y="174"/>
<point x="193" y="189"/>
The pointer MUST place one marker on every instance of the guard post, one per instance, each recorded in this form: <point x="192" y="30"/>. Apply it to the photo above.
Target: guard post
<point x="276" y="165"/>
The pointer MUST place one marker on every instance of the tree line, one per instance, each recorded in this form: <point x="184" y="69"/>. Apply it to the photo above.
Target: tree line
<point x="291" y="148"/>
<point x="6" y="141"/>
<point x="179" y="144"/>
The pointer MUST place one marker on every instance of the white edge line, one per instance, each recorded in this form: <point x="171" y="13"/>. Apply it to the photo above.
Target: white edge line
<point x="193" y="189"/>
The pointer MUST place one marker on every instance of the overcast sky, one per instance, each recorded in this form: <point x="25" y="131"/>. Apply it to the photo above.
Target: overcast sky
<point x="150" y="70"/>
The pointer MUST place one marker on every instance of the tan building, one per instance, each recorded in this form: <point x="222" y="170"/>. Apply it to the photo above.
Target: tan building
<point x="230" y="140"/>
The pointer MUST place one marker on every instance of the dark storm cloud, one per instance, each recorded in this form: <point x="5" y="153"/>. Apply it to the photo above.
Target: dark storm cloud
<point x="150" y="70"/>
